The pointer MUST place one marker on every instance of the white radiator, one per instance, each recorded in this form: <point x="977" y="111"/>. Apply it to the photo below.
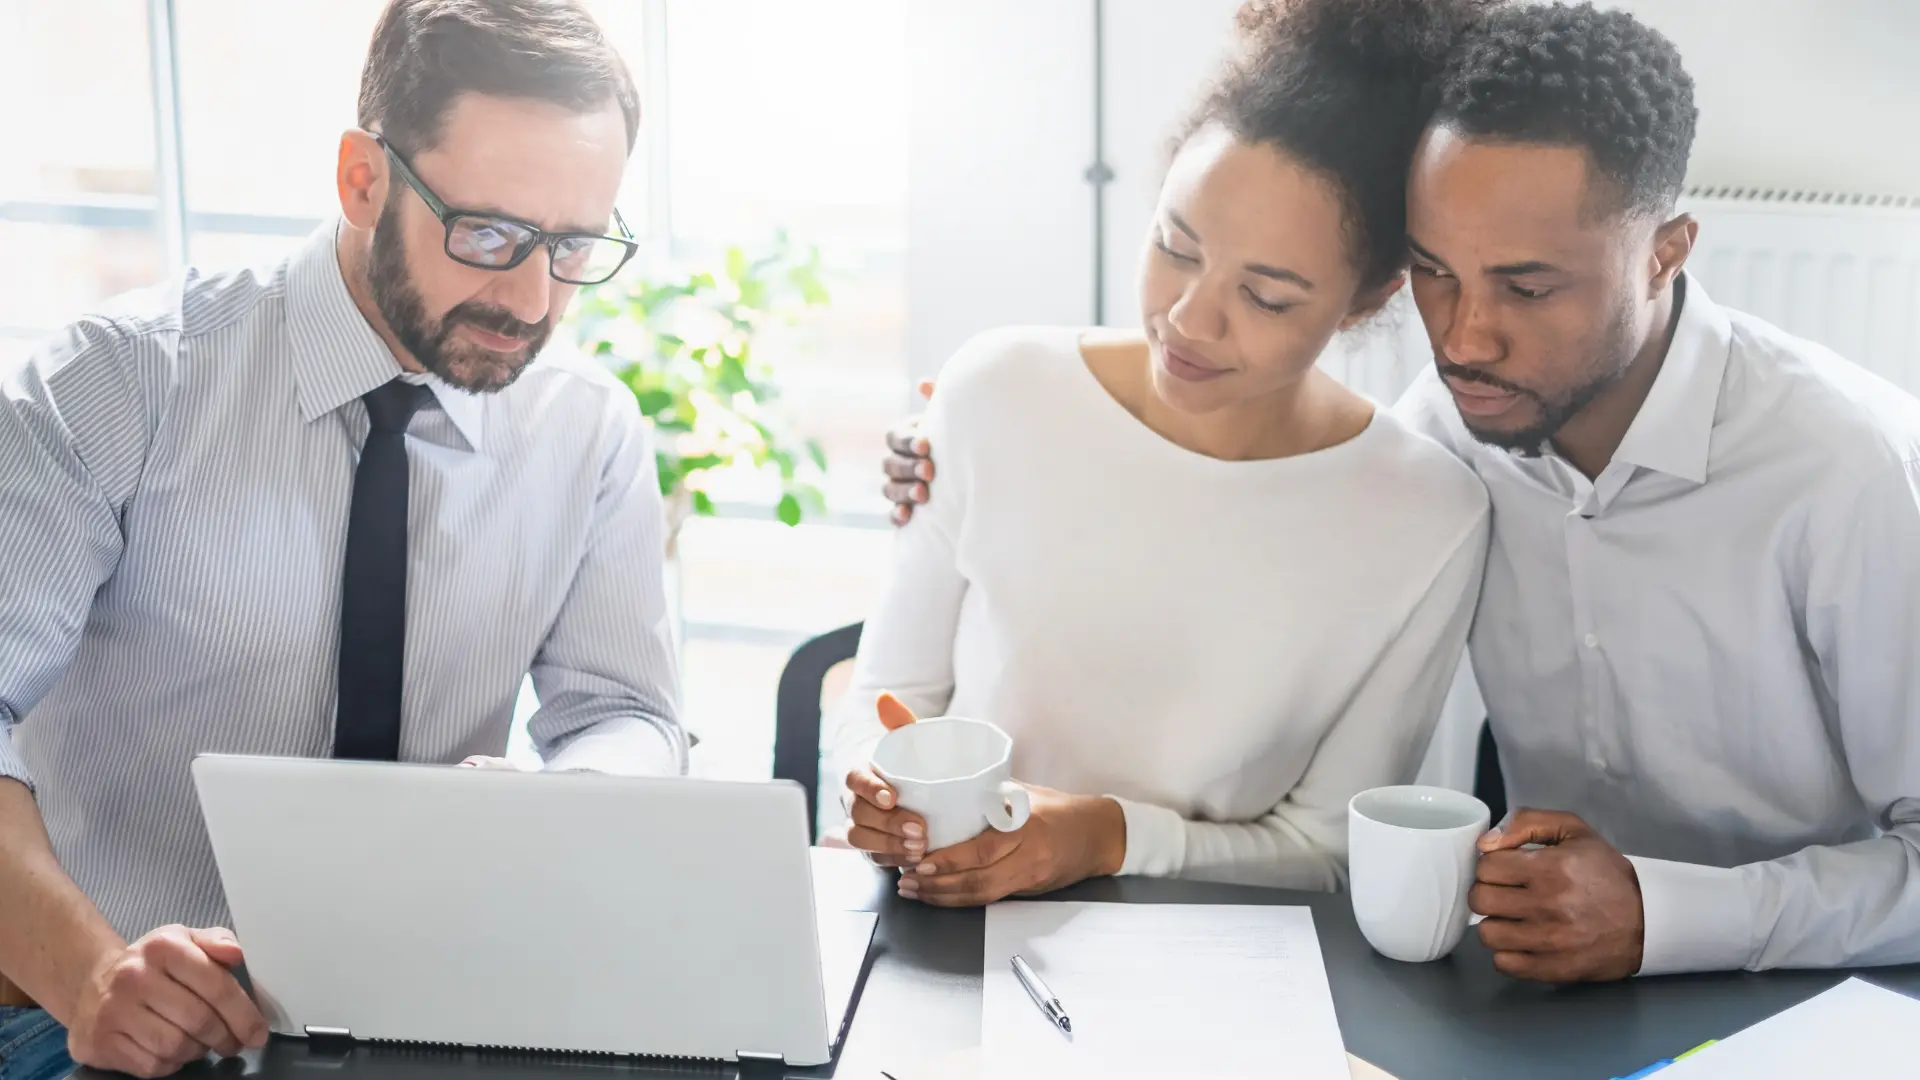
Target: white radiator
<point x="1842" y="270"/>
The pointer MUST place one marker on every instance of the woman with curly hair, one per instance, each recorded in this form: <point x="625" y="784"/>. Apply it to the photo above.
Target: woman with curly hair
<point x="1253" y="604"/>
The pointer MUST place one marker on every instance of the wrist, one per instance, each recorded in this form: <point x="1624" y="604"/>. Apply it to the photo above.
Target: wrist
<point x="1108" y="833"/>
<point x="66" y="978"/>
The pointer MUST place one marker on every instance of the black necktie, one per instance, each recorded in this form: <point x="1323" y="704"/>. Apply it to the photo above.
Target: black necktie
<point x="373" y="597"/>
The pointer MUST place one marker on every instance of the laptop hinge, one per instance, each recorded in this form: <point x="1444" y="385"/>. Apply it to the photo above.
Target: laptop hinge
<point x="328" y="1038"/>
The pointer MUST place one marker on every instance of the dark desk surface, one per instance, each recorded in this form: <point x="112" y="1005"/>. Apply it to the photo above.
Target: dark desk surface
<point x="1455" y="1019"/>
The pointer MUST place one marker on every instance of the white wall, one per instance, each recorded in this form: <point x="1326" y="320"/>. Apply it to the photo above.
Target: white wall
<point x="1819" y="94"/>
<point x="999" y="222"/>
<point x="1158" y="56"/>
<point x="1793" y="93"/>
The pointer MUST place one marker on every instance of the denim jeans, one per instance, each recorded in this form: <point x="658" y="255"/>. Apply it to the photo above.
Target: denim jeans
<point x="32" y="1046"/>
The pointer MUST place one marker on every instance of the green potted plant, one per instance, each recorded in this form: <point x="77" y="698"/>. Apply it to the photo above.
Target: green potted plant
<point x="683" y="341"/>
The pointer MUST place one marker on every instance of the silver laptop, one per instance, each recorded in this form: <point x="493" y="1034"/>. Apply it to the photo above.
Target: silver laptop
<point x="665" y="918"/>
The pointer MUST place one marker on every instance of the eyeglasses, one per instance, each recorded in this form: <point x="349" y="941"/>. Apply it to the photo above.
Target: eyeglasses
<point x="496" y="242"/>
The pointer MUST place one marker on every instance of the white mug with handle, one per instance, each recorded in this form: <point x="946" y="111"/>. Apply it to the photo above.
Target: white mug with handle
<point x="957" y="774"/>
<point x="1411" y="856"/>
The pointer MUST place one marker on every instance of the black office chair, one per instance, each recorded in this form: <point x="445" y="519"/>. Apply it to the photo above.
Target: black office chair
<point x="1489" y="785"/>
<point x="796" y="732"/>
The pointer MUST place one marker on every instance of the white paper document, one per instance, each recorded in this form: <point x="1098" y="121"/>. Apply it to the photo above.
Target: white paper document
<point x="1856" y="1030"/>
<point x="1158" y="990"/>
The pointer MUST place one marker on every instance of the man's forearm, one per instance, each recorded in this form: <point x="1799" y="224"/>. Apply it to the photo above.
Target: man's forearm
<point x="52" y="935"/>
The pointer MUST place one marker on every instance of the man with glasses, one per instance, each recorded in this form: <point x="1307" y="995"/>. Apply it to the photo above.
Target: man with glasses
<point x="327" y="509"/>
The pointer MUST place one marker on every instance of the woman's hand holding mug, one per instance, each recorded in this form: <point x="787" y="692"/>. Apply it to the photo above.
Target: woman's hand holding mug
<point x="890" y="836"/>
<point x="980" y="836"/>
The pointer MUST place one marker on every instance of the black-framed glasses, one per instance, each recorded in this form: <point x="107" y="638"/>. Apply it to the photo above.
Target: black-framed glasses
<point x="496" y="242"/>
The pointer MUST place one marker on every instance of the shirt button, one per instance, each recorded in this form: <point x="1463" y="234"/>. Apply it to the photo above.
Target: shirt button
<point x="1593" y="641"/>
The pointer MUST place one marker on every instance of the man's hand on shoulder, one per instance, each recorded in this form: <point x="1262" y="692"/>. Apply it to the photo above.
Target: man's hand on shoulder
<point x="168" y="999"/>
<point x="908" y="465"/>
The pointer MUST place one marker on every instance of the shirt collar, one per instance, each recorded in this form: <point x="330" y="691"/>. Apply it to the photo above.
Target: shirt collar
<point x="467" y="410"/>
<point x="1673" y="431"/>
<point x="337" y="356"/>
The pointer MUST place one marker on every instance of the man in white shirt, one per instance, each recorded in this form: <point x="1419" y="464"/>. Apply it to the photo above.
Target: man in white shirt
<point x="1702" y="603"/>
<point x="1701" y="612"/>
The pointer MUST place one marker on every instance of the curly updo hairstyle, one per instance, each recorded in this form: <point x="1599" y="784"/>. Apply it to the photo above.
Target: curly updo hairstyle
<point x="1345" y="87"/>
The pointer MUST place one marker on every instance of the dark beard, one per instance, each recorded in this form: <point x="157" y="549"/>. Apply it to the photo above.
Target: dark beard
<point x="481" y="371"/>
<point x="1607" y="367"/>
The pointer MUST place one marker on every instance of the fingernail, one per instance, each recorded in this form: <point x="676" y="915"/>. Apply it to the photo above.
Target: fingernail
<point x="913" y="830"/>
<point x="885" y="799"/>
<point x="924" y="868"/>
<point x="924" y="471"/>
<point x="919" y="493"/>
<point x="921" y="447"/>
<point x="899" y="516"/>
<point x="916" y="849"/>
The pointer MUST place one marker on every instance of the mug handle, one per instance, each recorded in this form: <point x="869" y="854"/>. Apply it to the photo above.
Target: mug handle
<point x="1009" y="808"/>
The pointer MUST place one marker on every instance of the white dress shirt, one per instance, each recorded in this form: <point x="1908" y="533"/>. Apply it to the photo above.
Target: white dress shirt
<point x="174" y="486"/>
<point x="1231" y="649"/>
<point x="1712" y="651"/>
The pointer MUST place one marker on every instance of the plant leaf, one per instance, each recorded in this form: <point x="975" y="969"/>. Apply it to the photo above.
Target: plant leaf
<point x="712" y="405"/>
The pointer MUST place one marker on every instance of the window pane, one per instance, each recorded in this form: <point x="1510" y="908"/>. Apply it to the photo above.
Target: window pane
<point x="267" y="88"/>
<point x="751" y="592"/>
<point x="624" y="23"/>
<point x="794" y="116"/>
<point x="788" y="115"/>
<point x="53" y="273"/>
<point x="95" y="136"/>
<point x="265" y="91"/>
<point x="224" y="250"/>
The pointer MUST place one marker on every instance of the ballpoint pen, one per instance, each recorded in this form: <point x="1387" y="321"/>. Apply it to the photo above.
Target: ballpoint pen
<point x="1042" y="996"/>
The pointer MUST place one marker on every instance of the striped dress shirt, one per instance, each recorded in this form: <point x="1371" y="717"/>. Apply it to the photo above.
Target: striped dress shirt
<point x="174" y="487"/>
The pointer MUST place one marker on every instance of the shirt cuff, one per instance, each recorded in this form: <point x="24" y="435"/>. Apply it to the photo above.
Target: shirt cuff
<point x="1156" y="839"/>
<point x="1697" y="918"/>
<point x="625" y="746"/>
<point x="11" y="767"/>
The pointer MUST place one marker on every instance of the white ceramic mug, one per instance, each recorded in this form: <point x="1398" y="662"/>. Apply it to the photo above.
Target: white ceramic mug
<point x="1411" y="854"/>
<point x="957" y="774"/>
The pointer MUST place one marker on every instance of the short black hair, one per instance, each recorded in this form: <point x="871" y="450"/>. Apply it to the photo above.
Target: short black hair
<point x="426" y="53"/>
<point x="1573" y="75"/>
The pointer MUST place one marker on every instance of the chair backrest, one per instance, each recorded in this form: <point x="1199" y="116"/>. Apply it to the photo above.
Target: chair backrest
<point x="1489" y="783"/>
<point x="796" y="735"/>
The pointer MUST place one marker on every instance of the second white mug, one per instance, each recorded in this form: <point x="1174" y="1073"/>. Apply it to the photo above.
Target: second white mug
<point x="1411" y="856"/>
<point x="957" y="774"/>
